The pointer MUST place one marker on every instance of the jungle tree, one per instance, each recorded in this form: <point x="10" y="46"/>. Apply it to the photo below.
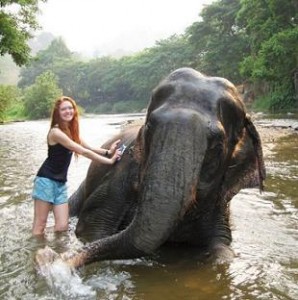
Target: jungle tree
<point x="273" y="61"/>
<point x="17" y="22"/>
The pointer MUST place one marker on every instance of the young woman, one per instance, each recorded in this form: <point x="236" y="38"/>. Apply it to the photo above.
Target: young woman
<point x="49" y="190"/>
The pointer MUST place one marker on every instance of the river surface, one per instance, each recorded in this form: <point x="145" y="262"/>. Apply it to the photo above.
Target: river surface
<point x="265" y="233"/>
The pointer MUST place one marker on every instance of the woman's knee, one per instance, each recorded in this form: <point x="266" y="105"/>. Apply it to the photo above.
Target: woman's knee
<point x="39" y="227"/>
<point x="61" y="217"/>
<point x="59" y="227"/>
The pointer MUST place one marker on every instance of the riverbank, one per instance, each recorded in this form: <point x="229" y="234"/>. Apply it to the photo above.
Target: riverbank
<point x="271" y="135"/>
<point x="272" y="130"/>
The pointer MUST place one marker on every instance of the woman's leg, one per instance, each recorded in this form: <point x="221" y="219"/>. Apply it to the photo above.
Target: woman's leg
<point x="61" y="217"/>
<point x="41" y="212"/>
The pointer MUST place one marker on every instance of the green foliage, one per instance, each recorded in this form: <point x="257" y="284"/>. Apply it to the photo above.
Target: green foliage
<point x="72" y="78"/>
<point x="107" y="79"/>
<point x="261" y="104"/>
<point x="218" y="41"/>
<point x="49" y="59"/>
<point x="128" y="106"/>
<point x="8" y="95"/>
<point x="243" y="40"/>
<point x="263" y="19"/>
<point x="281" y="99"/>
<point x="16" y="26"/>
<point x="148" y="67"/>
<point x="40" y="96"/>
<point x="113" y="84"/>
<point x="273" y="33"/>
<point x="119" y="107"/>
<point x="103" y="108"/>
<point x="277" y="57"/>
<point x="16" y="111"/>
<point x="98" y="78"/>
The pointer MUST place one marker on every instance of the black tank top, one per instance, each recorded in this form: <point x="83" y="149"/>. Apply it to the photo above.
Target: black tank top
<point x="56" y="165"/>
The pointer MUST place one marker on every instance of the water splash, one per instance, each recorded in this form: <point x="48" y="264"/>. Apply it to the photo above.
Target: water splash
<point x="65" y="281"/>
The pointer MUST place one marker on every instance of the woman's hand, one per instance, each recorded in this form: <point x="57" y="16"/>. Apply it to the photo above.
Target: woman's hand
<point x="113" y="147"/>
<point x="117" y="156"/>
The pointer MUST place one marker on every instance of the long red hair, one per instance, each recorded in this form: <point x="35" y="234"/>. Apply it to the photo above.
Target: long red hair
<point x="72" y="130"/>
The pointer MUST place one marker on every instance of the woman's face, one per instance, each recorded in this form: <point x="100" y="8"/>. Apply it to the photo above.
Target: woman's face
<point x="66" y="111"/>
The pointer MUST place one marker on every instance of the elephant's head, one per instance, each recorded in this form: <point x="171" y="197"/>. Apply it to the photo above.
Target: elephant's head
<point x="199" y="148"/>
<point x="196" y="150"/>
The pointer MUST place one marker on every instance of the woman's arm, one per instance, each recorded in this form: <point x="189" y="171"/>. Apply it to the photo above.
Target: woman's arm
<point x="58" y="136"/>
<point x="102" y="151"/>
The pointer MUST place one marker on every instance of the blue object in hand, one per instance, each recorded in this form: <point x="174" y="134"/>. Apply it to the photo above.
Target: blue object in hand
<point x="122" y="149"/>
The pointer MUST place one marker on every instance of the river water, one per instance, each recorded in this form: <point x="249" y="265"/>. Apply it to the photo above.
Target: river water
<point x="265" y="238"/>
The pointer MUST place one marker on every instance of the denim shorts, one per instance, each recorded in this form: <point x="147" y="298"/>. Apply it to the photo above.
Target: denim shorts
<point x="49" y="190"/>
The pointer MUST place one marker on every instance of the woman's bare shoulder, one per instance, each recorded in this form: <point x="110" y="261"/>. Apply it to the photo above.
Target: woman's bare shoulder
<point x="55" y="134"/>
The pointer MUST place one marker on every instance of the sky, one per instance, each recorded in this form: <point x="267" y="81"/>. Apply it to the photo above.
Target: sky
<point x="101" y="27"/>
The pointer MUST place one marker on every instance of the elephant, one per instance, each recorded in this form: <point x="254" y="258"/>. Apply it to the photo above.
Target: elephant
<point x="196" y="149"/>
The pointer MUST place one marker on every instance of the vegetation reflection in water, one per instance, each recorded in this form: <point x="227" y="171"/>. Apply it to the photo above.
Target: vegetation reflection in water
<point x="264" y="235"/>
<point x="283" y="170"/>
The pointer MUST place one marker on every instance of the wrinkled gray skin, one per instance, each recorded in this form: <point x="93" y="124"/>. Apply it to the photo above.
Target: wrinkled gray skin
<point x="196" y="150"/>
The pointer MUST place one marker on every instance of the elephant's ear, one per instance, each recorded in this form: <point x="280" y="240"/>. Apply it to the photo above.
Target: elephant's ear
<point x="231" y="113"/>
<point x="138" y="148"/>
<point x="254" y="135"/>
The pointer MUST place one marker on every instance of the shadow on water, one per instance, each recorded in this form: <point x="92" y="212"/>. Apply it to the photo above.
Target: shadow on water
<point x="264" y="235"/>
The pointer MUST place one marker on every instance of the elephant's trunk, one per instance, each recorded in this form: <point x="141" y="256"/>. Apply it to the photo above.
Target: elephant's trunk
<point x="168" y="186"/>
<point x="170" y="177"/>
